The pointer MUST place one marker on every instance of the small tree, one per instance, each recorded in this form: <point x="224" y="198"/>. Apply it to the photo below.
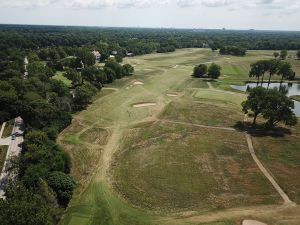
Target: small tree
<point x="283" y="54"/>
<point x="200" y="70"/>
<point x="273" y="66"/>
<point x="213" y="47"/>
<point x="74" y="76"/>
<point x="278" y="108"/>
<point x="298" y="54"/>
<point x="276" y="55"/>
<point x="255" y="102"/>
<point x="285" y="71"/>
<point x="127" y="70"/>
<point x="258" y="70"/>
<point x="63" y="185"/>
<point x="214" y="71"/>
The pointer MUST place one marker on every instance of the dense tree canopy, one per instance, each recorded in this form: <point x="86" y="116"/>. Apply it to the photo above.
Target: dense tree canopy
<point x="200" y="70"/>
<point x="214" y="71"/>
<point x="233" y="50"/>
<point x="272" y="104"/>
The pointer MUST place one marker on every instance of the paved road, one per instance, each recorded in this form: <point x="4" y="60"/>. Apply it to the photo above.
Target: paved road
<point x="14" y="149"/>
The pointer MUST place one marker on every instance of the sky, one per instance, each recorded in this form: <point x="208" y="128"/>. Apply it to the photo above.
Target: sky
<point x="208" y="14"/>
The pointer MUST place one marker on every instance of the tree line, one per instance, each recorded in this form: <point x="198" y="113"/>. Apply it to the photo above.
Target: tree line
<point x="141" y="40"/>
<point x="44" y="186"/>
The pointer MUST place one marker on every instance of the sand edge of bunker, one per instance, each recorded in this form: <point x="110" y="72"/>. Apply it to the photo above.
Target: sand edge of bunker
<point x="138" y="83"/>
<point x="144" y="104"/>
<point x="172" y="94"/>
<point x="252" y="222"/>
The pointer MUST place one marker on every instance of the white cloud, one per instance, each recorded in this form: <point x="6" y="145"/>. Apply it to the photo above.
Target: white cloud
<point x="266" y="4"/>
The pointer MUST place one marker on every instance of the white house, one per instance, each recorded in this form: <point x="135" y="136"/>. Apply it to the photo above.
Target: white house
<point x="97" y="55"/>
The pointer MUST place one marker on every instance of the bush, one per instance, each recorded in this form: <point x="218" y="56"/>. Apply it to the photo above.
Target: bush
<point x="214" y="71"/>
<point x="200" y="71"/>
<point x="63" y="185"/>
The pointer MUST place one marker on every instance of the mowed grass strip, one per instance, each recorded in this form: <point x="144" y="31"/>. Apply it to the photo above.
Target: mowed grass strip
<point x="97" y="205"/>
<point x="221" y="96"/>
<point x="3" y="151"/>
<point x="204" y="113"/>
<point x="8" y="128"/>
<point x="170" y="168"/>
<point x="281" y="155"/>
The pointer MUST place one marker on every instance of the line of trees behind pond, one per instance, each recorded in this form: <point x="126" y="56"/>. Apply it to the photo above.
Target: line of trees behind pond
<point x="271" y="67"/>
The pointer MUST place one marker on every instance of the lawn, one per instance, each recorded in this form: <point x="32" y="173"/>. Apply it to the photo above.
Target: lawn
<point x="8" y="128"/>
<point x="281" y="156"/>
<point x="170" y="168"/>
<point x="59" y="76"/>
<point x="3" y="151"/>
<point x="212" y="113"/>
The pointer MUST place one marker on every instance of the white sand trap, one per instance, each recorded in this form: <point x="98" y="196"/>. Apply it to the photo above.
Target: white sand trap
<point x="138" y="83"/>
<point x="172" y="95"/>
<point x="175" y="66"/>
<point x="253" y="222"/>
<point x="144" y="104"/>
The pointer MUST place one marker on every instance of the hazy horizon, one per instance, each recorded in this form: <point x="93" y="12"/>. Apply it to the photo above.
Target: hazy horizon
<point x="190" y="14"/>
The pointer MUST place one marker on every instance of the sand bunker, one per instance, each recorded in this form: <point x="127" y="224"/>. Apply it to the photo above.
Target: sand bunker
<point x="144" y="104"/>
<point x="138" y="83"/>
<point x="253" y="222"/>
<point x="175" y="66"/>
<point x="172" y="95"/>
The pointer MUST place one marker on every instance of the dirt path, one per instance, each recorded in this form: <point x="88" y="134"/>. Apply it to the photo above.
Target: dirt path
<point x="211" y="87"/>
<point x="109" y="88"/>
<point x="108" y="152"/>
<point x="261" y="212"/>
<point x="198" y="125"/>
<point x="283" y="195"/>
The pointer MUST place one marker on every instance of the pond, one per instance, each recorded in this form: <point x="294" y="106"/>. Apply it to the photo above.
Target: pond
<point x="293" y="89"/>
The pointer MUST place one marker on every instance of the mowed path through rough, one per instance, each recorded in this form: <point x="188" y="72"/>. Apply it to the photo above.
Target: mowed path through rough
<point x="283" y="195"/>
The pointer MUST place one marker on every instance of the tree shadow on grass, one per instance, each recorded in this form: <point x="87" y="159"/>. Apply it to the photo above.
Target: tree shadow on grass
<point x="260" y="130"/>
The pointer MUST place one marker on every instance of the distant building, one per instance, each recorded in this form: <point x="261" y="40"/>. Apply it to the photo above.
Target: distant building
<point x="97" y="55"/>
<point x="114" y="52"/>
<point x="129" y="54"/>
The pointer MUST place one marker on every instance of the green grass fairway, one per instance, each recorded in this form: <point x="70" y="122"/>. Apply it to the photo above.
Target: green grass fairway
<point x="152" y="165"/>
